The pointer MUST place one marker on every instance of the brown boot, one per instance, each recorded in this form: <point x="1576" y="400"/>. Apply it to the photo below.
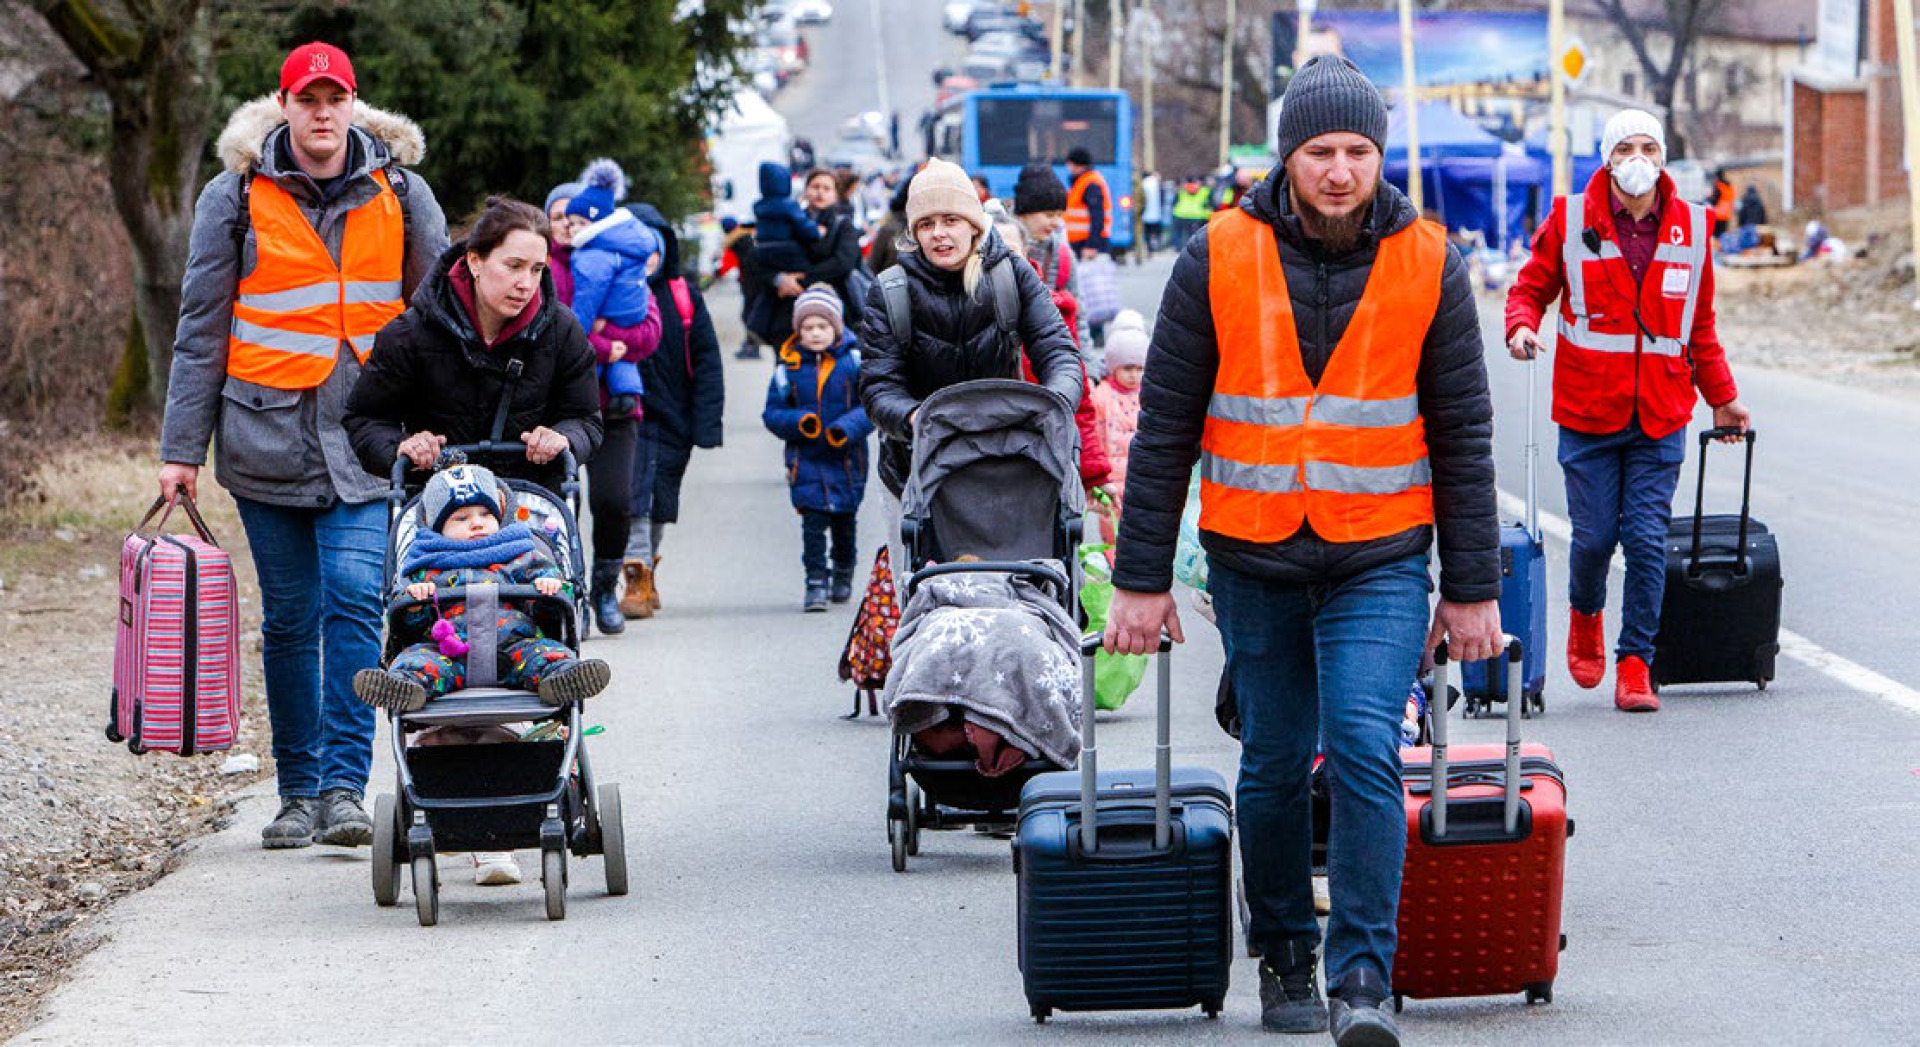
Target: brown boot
<point x="653" y="591"/>
<point x="637" y="601"/>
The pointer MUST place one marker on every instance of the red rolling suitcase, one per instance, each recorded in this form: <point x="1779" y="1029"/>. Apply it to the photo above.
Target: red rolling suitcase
<point x="176" y="654"/>
<point x="1487" y="833"/>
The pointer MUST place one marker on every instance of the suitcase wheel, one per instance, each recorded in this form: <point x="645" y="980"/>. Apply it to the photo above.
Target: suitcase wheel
<point x="1212" y="1008"/>
<point x="1540" y="992"/>
<point x="1041" y="1012"/>
<point x="1399" y="1003"/>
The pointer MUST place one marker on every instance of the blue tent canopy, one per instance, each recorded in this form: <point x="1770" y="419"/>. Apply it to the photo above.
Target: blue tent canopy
<point x="1471" y="179"/>
<point x="1443" y="133"/>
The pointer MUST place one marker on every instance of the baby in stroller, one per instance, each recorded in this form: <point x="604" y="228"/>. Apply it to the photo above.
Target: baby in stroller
<point x="463" y="545"/>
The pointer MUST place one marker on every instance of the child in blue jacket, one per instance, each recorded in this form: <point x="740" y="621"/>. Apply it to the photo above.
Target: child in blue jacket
<point x="813" y="403"/>
<point x="782" y="230"/>
<point x="614" y="254"/>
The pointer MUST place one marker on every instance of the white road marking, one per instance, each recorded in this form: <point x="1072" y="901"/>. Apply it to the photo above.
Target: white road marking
<point x="1843" y="670"/>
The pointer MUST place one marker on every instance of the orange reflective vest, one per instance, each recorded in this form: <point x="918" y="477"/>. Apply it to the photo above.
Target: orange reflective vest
<point x="1079" y="218"/>
<point x="1348" y="456"/>
<point x="296" y="307"/>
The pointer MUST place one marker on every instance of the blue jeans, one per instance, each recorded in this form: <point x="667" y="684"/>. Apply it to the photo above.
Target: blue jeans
<point x="1620" y="493"/>
<point x="1329" y="665"/>
<point x="321" y="610"/>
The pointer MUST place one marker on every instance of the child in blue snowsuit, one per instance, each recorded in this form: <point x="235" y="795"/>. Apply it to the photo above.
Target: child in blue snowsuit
<point x="813" y="403"/>
<point x="464" y="544"/>
<point x="782" y="231"/>
<point x="613" y="256"/>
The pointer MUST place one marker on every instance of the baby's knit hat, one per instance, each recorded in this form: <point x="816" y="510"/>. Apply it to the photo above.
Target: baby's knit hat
<point x="1126" y="347"/>
<point x="823" y="301"/>
<point x="456" y="487"/>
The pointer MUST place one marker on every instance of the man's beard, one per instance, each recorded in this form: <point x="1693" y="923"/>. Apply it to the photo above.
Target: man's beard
<point x="1337" y="234"/>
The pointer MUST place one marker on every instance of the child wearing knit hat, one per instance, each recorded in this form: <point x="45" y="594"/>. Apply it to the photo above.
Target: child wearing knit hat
<point x="1116" y="400"/>
<point x="813" y="405"/>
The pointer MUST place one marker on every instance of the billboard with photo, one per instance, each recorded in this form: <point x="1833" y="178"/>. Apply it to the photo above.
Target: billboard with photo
<point x="1456" y="53"/>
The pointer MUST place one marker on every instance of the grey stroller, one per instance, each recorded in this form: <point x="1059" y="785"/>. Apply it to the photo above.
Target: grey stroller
<point x="995" y="476"/>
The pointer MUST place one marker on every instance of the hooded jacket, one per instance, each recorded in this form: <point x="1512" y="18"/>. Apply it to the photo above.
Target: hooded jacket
<point x="609" y="266"/>
<point x="955" y="339"/>
<point x="282" y="446"/>
<point x="431" y="371"/>
<point x="686" y="396"/>
<point x="777" y="216"/>
<point x="1325" y="289"/>
<point x="813" y="404"/>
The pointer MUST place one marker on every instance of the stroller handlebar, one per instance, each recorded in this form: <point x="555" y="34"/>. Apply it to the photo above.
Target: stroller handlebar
<point x="402" y="601"/>
<point x="571" y="467"/>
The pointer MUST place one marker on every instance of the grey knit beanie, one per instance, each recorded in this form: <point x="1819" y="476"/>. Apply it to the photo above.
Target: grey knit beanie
<point x="823" y="301"/>
<point x="461" y="485"/>
<point x="1330" y="94"/>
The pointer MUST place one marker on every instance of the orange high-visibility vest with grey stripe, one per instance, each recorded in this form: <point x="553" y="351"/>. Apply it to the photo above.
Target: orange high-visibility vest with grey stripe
<point x="1079" y="216"/>
<point x="296" y="307"/>
<point x="1349" y="456"/>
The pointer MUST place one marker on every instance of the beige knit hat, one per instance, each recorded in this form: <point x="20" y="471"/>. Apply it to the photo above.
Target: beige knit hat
<point x="943" y="188"/>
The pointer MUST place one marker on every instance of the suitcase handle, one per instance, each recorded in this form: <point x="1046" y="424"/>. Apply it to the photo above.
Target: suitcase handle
<point x="180" y="497"/>
<point x="1090" y="645"/>
<point x="1128" y="835"/>
<point x="1707" y="436"/>
<point x="1437" y="726"/>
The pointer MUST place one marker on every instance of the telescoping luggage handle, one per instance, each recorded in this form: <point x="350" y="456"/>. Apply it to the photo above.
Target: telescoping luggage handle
<point x="1437" y="724"/>
<point x="1162" y="749"/>
<point x="1748" y="436"/>
<point x="1533" y="451"/>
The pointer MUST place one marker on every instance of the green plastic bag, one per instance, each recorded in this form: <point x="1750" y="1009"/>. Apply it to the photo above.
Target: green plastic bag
<point x="1115" y="676"/>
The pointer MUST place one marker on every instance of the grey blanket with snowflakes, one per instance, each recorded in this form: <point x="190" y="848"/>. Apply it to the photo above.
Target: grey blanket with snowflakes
<point x="999" y="649"/>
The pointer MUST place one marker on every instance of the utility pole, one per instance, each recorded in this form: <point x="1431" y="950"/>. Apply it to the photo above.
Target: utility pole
<point x="1116" y="24"/>
<point x="1557" y="97"/>
<point x="1226" y="83"/>
<point x="1053" y="59"/>
<point x="1410" y="98"/>
<point x="1079" y="74"/>
<point x="1146" y="27"/>
<point x="1910" y="115"/>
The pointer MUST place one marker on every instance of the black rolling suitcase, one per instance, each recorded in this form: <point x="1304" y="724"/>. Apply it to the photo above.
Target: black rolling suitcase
<point x="1126" y="893"/>
<point x="1720" y="618"/>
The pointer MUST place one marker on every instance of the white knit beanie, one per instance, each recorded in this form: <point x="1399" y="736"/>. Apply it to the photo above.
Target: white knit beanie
<point x="1624" y="125"/>
<point x="1127" y="318"/>
<point x="943" y="188"/>
<point x="1126" y="347"/>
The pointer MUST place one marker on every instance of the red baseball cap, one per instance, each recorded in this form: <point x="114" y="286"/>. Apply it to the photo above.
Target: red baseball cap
<point x="315" y="61"/>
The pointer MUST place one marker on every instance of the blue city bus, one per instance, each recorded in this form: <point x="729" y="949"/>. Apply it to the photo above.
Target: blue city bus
<point x="994" y="131"/>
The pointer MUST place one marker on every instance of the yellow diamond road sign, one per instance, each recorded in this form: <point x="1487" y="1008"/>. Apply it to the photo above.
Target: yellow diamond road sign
<point x="1573" y="63"/>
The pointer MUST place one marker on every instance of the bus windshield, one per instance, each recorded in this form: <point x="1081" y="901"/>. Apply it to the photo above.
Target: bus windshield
<point x="1016" y="131"/>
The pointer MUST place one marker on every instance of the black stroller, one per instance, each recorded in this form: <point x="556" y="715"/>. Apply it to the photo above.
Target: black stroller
<point x="494" y="797"/>
<point x="995" y="475"/>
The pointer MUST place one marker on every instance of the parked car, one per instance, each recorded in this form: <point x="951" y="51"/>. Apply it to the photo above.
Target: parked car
<point x="986" y="11"/>
<point x="781" y="39"/>
<point x="811" y="12"/>
<point x="954" y="15"/>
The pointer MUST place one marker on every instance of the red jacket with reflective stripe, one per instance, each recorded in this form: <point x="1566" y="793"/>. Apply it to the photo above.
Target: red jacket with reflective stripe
<point x="1606" y="369"/>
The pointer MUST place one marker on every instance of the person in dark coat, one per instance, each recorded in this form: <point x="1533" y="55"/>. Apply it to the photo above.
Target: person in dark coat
<point x="885" y="250"/>
<point x="837" y="257"/>
<point x="1325" y="619"/>
<point x="1752" y="210"/>
<point x="686" y="402"/>
<point x="437" y="372"/>
<point x="813" y="406"/>
<point x="955" y="336"/>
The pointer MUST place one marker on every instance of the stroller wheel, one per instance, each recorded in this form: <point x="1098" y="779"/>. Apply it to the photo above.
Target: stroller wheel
<point x="913" y="818"/>
<point x="613" y="838"/>
<point x="426" y="890"/>
<point x="897" y="836"/>
<point x="386" y="871"/>
<point x="553" y="877"/>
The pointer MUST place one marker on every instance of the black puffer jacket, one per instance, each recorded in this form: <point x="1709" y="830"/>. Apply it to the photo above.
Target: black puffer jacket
<point x="1185" y="357"/>
<point x="686" y="396"/>
<point x="839" y="255"/>
<point x="954" y="339"/>
<point x="429" y="371"/>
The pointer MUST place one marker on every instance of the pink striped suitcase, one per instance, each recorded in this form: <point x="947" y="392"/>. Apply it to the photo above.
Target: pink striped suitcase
<point x="176" y="654"/>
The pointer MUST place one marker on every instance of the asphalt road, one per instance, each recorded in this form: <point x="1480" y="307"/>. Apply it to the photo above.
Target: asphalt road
<point x="1742" y="871"/>
<point x="850" y="75"/>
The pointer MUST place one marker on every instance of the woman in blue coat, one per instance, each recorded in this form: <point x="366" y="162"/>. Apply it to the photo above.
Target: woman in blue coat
<point x="813" y="403"/>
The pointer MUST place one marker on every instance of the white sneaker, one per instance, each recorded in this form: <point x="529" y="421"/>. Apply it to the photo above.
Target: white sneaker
<point x="495" y="868"/>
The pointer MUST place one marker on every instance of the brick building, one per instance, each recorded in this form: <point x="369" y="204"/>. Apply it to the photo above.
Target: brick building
<point x="1844" y="116"/>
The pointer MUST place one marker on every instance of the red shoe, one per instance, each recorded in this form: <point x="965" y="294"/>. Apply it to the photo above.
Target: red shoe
<point x="1586" y="649"/>
<point x="1632" y="690"/>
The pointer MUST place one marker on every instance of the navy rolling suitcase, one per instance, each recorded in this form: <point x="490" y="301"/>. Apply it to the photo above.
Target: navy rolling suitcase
<point x="1720" y="615"/>
<point x="1523" y="596"/>
<point x="1126" y="891"/>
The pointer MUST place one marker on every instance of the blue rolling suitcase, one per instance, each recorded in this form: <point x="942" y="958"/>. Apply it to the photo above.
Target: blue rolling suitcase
<point x="1523" y="596"/>
<point x="1126" y="889"/>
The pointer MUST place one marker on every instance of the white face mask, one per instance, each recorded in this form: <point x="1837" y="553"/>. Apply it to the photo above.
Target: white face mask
<point x="1635" y="175"/>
